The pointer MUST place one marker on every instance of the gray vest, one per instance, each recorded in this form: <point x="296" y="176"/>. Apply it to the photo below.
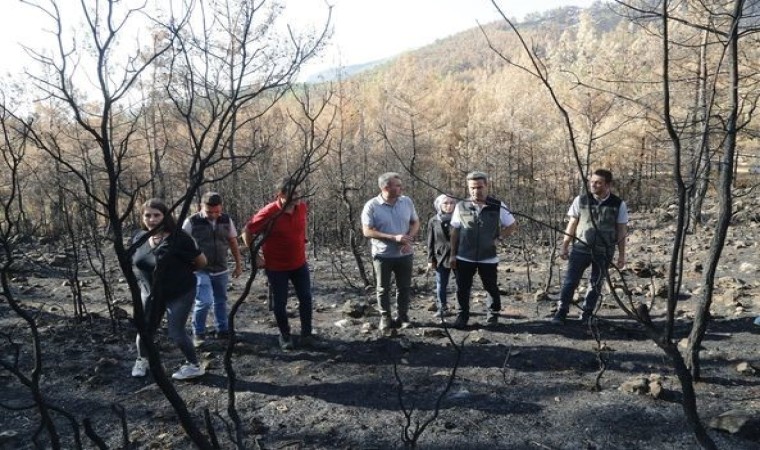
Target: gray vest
<point x="478" y="229"/>
<point x="213" y="242"/>
<point x="597" y="225"/>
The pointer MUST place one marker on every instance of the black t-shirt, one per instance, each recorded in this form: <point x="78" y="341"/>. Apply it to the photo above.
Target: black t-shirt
<point x="171" y="261"/>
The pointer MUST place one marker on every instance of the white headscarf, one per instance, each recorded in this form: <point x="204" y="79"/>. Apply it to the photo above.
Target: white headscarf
<point x="437" y="205"/>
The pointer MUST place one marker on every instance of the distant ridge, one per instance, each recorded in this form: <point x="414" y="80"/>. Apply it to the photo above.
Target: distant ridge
<point x="335" y="73"/>
<point x="563" y="16"/>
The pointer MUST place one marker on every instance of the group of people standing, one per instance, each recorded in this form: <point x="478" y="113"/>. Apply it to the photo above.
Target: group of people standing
<point x="185" y="269"/>
<point x="462" y="238"/>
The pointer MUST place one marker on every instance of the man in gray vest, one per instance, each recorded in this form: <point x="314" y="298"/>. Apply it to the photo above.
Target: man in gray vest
<point x="391" y="222"/>
<point x="476" y="225"/>
<point x="216" y="235"/>
<point x="597" y="225"/>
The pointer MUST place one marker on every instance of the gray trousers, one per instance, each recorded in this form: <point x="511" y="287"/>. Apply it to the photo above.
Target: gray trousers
<point x="177" y="311"/>
<point x="402" y="269"/>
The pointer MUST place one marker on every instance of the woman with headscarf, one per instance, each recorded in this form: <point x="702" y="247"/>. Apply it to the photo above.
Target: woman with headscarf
<point x="439" y="250"/>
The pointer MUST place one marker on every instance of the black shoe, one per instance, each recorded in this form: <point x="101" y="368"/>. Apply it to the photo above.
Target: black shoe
<point x="312" y="342"/>
<point x="461" y="322"/>
<point x="223" y="335"/>
<point x="492" y="320"/>
<point x="559" y="317"/>
<point x="586" y="317"/>
<point x="402" y="322"/>
<point x="286" y="343"/>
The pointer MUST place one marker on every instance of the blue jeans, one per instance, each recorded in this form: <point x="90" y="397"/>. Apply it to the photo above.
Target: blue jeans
<point x="211" y="290"/>
<point x="465" y="273"/>
<point x="442" y="275"/>
<point x="402" y="268"/>
<point x="278" y="285"/>
<point x="577" y="263"/>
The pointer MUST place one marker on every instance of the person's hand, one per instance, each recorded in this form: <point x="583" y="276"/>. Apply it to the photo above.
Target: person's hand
<point x="237" y="271"/>
<point x="260" y="261"/>
<point x="620" y="261"/>
<point x="403" y="239"/>
<point x="453" y="263"/>
<point x="563" y="252"/>
<point x="407" y="249"/>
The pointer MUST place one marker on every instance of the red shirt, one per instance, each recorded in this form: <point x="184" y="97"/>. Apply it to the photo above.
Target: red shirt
<point x="285" y="246"/>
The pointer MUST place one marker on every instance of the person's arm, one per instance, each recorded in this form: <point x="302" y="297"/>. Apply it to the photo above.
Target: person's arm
<point x="375" y="234"/>
<point x="454" y="239"/>
<point x="200" y="261"/>
<point x="572" y="225"/>
<point x="414" y="228"/>
<point x="247" y="237"/>
<point x="622" y="231"/>
<point x="431" y="245"/>
<point x="235" y="249"/>
<point x="507" y="231"/>
<point x="256" y="224"/>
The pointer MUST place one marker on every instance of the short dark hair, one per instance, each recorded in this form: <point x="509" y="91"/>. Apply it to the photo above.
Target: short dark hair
<point x="168" y="224"/>
<point x="286" y="186"/>
<point x="211" y="198"/>
<point x="604" y="173"/>
<point x="476" y="175"/>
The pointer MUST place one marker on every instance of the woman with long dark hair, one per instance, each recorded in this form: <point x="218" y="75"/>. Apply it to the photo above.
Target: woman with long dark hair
<point x="164" y="266"/>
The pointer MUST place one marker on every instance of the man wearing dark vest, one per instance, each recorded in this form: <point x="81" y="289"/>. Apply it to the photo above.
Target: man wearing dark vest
<point x="597" y="225"/>
<point x="216" y="235"/>
<point x="476" y="225"/>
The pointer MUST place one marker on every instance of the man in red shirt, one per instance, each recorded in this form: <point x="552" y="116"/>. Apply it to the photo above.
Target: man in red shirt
<point x="283" y="223"/>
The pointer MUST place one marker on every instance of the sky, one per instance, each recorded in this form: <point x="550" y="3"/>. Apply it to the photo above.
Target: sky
<point x="363" y="30"/>
<point x="368" y="30"/>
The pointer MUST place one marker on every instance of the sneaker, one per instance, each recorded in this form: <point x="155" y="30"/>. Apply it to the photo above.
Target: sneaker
<point x="198" y="340"/>
<point x="140" y="368"/>
<point x="188" y="371"/>
<point x="461" y="322"/>
<point x="385" y="323"/>
<point x="559" y="317"/>
<point x="441" y="313"/>
<point x="286" y="343"/>
<point x="757" y="321"/>
<point x="492" y="320"/>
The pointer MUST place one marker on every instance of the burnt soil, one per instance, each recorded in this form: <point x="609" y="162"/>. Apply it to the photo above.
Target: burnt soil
<point x="524" y="384"/>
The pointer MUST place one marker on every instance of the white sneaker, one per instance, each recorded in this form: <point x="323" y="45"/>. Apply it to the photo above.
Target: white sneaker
<point x="140" y="368"/>
<point x="188" y="371"/>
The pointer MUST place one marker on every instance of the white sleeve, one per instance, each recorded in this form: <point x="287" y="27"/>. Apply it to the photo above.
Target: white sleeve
<point x="233" y="231"/>
<point x="575" y="207"/>
<point x="187" y="226"/>
<point x="505" y="217"/>
<point x="622" y="213"/>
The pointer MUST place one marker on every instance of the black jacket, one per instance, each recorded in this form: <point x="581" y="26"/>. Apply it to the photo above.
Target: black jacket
<point x="438" y="243"/>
